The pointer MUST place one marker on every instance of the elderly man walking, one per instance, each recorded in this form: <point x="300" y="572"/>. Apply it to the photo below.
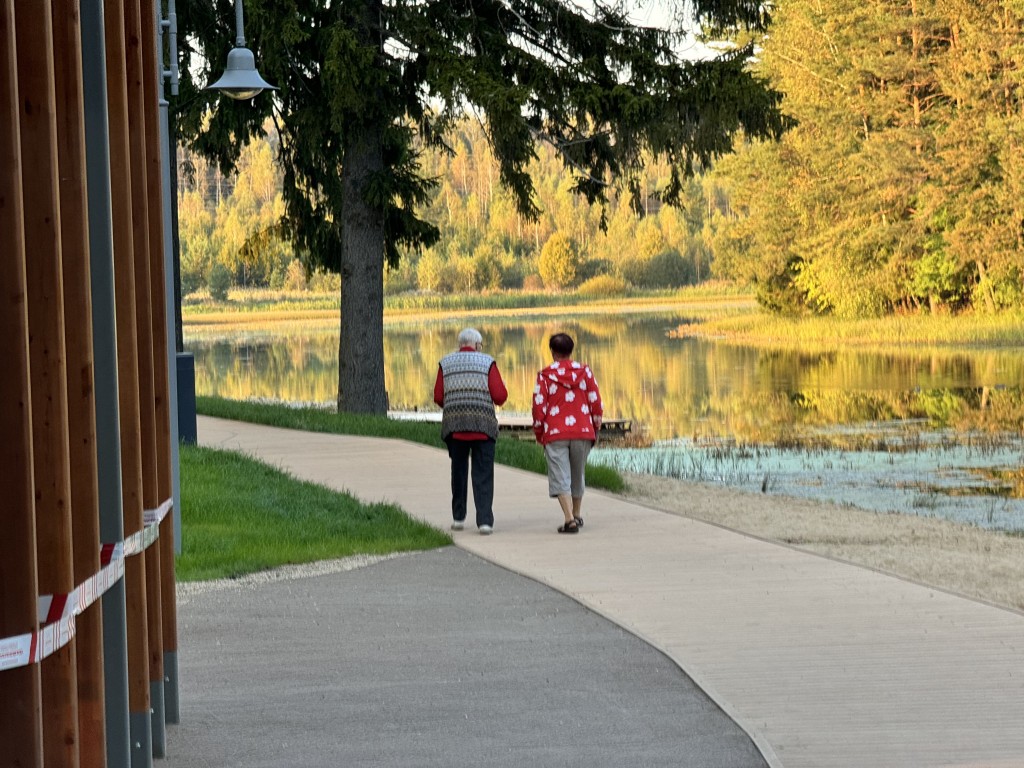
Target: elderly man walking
<point x="467" y="387"/>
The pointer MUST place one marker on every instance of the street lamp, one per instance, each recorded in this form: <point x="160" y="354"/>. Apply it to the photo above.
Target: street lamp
<point x="240" y="80"/>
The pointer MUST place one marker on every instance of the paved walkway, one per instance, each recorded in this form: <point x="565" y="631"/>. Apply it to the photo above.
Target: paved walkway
<point x="434" y="659"/>
<point x="822" y="663"/>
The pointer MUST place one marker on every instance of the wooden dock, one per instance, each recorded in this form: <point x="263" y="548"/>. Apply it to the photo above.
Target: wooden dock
<point x="520" y="425"/>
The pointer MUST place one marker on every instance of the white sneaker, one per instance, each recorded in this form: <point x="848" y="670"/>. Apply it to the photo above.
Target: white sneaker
<point x="486" y="530"/>
<point x="458" y="525"/>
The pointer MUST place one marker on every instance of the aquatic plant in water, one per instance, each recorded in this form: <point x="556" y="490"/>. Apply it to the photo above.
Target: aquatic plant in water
<point x="975" y="478"/>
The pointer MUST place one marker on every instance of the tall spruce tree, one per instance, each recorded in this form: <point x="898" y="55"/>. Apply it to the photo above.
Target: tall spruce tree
<point x="974" y="202"/>
<point x="842" y="230"/>
<point x="901" y="186"/>
<point x="364" y="84"/>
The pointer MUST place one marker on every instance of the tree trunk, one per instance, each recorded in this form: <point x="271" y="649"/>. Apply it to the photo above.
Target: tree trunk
<point x="990" y="300"/>
<point x="361" y="345"/>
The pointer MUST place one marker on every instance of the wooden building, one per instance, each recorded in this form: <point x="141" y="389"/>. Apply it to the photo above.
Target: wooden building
<point x="87" y="611"/>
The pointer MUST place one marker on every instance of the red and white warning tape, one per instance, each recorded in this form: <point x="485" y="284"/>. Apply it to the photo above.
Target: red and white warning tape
<point x="57" y="612"/>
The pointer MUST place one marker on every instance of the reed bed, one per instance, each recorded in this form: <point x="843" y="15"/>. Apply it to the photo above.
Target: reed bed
<point x="966" y="330"/>
<point x="267" y="303"/>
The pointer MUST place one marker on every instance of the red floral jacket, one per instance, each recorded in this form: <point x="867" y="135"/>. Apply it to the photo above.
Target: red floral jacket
<point x="565" y="398"/>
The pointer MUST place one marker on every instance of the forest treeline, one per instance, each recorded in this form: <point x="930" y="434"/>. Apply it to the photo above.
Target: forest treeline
<point x="900" y="188"/>
<point x="231" y="235"/>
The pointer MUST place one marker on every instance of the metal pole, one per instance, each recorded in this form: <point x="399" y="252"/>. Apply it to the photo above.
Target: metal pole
<point x="172" y="712"/>
<point x="172" y="274"/>
<point x="104" y="329"/>
<point x="172" y="547"/>
<point x="239" y="34"/>
<point x="183" y="373"/>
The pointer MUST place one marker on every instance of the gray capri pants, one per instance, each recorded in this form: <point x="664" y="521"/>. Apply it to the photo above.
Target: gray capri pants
<point x="567" y="461"/>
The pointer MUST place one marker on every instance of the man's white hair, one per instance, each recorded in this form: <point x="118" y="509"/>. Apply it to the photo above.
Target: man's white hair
<point x="469" y="337"/>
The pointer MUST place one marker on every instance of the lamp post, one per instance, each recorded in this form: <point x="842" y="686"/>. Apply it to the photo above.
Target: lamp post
<point x="240" y="80"/>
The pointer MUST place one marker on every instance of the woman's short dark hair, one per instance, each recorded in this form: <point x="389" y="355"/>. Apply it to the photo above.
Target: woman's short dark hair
<point x="561" y="344"/>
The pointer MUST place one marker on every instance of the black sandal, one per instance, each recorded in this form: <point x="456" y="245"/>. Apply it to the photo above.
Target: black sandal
<point x="579" y="522"/>
<point x="569" y="528"/>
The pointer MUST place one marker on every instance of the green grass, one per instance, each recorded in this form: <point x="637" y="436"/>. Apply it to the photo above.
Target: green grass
<point x="241" y="516"/>
<point x="508" y="451"/>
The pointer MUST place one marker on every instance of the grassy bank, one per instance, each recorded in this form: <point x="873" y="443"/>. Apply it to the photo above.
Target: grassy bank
<point x="967" y="330"/>
<point x="241" y="516"/>
<point x="508" y="451"/>
<point x="262" y="304"/>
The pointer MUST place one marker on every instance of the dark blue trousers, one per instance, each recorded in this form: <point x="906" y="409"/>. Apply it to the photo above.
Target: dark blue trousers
<point x="482" y="453"/>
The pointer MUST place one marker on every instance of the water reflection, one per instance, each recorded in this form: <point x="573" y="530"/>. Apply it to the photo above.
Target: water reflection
<point x="673" y="387"/>
<point x="935" y="433"/>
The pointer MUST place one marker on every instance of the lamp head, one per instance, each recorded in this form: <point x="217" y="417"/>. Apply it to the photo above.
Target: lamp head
<point x="240" y="79"/>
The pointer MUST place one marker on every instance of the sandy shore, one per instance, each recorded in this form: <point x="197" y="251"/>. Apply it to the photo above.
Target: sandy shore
<point x="958" y="558"/>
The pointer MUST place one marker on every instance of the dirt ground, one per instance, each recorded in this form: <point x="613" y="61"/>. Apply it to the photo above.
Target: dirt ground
<point x="958" y="558"/>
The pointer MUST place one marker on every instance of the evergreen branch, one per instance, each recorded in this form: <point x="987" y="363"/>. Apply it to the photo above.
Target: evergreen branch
<point x="559" y="146"/>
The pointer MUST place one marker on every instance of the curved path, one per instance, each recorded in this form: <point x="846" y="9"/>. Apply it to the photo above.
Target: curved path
<point x="821" y="662"/>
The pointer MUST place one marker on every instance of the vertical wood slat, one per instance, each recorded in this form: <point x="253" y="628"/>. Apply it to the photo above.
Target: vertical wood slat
<point x="158" y="302"/>
<point x="34" y="34"/>
<point x="127" y="359"/>
<point x="20" y="694"/>
<point x="137" y="120"/>
<point x="161" y="364"/>
<point x="81" y="400"/>
<point x="157" y="133"/>
<point x="140" y="232"/>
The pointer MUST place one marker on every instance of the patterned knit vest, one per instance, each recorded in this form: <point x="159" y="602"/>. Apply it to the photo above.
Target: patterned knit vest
<point x="467" y="398"/>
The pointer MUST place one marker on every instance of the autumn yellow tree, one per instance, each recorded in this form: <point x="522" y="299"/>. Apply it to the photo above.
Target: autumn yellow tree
<point x="559" y="262"/>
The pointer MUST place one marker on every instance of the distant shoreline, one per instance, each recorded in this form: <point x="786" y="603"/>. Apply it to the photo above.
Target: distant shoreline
<point x="245" y="317"/>
<point x="727" y="317"/>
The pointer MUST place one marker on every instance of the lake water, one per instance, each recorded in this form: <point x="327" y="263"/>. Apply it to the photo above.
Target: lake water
<point x="934" y="432"/>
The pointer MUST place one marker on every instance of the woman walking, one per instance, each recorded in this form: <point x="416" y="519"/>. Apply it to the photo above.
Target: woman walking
<point x="566" y="420"/>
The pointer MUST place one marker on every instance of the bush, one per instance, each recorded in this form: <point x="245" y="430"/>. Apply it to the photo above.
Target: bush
<point x="533" y="283"/>
<point x="295" y="277"/>
<point x="191" y="281"/>
<point x="595" y="268"/>
<point x="400" y="279"/>
<point x="322" y="281"/>
<point x="602" y="286"/>
<point x="559" y="262"/>
<point x="277" y="277"/>
<point x="667" y="269"/>
<point x="432" y="272"/>
<point x="218" y="282"/>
